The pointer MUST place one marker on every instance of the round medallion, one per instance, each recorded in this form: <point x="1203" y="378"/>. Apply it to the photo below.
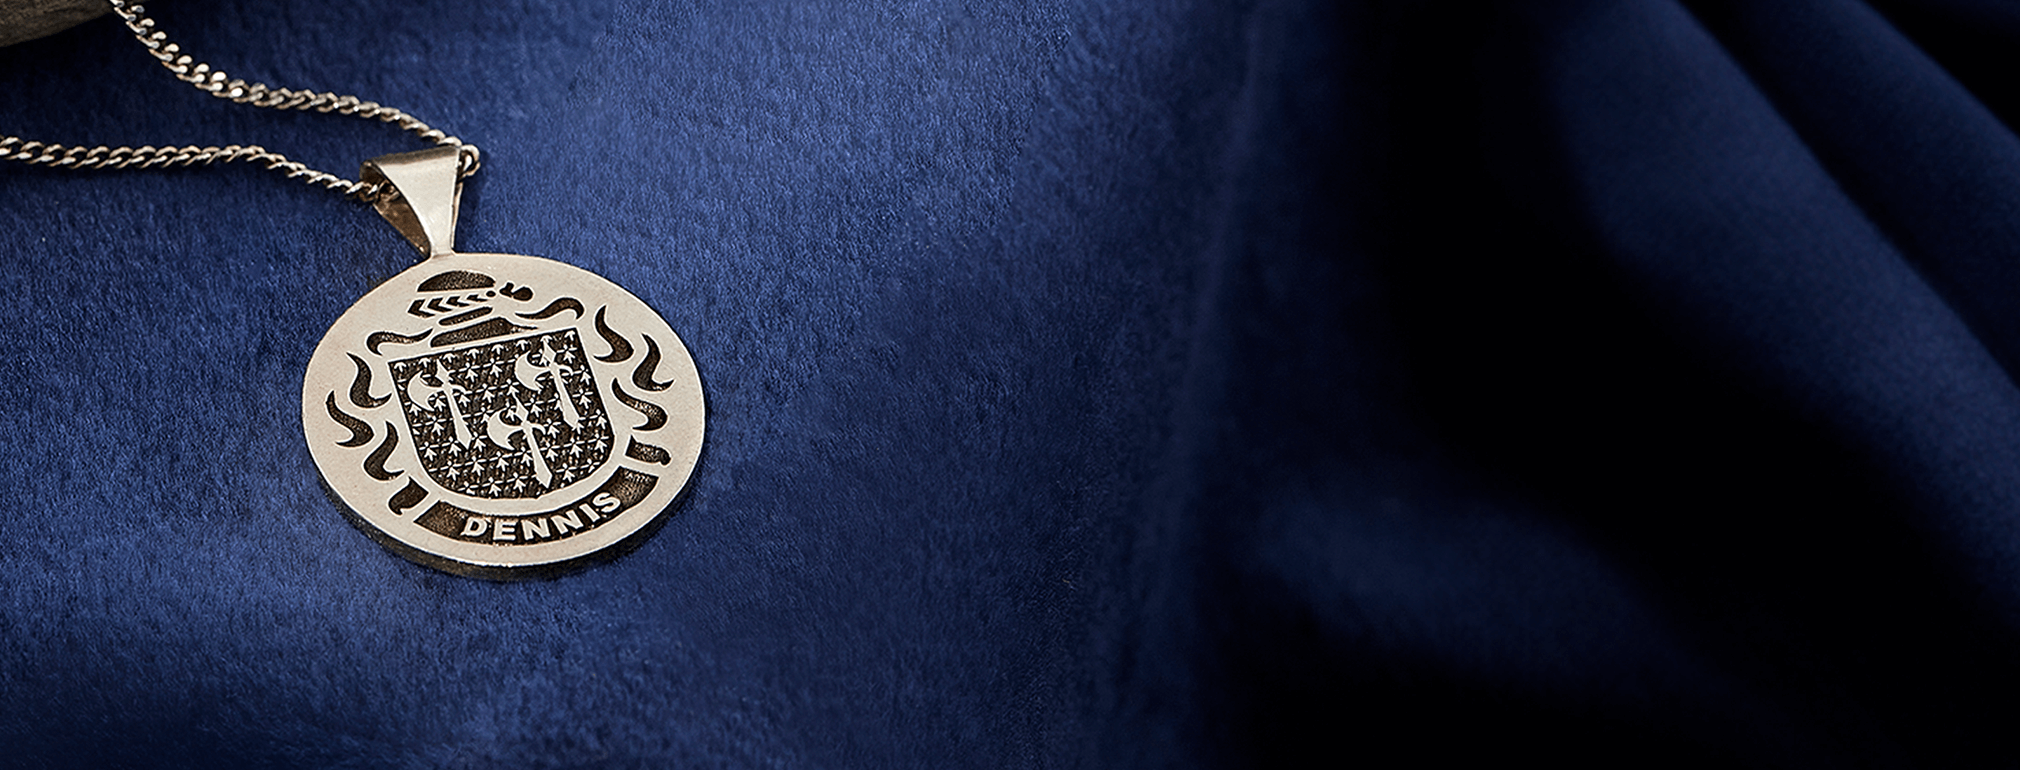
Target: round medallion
<point x="502" y="416"/>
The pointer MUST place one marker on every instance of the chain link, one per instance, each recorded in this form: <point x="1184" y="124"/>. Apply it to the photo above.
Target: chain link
<point x="223" y="86"/>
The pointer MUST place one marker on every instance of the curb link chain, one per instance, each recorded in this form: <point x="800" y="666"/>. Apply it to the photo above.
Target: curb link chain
<point x="223" y="86"/>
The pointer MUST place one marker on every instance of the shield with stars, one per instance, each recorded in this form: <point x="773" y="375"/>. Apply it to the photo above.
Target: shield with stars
<point x="514" y="418"/>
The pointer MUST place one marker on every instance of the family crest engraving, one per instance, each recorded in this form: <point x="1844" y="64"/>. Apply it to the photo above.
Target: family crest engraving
<point x="516" y="418"/>
<point x="479" y="419"/>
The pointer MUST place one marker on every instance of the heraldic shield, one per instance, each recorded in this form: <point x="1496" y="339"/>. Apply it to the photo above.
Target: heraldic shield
<point x="520" y="417"/>
<point x="490" y="413"/>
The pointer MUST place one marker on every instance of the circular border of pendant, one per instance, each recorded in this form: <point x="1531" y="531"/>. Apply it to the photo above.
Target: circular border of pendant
<point x="503" y="416"/>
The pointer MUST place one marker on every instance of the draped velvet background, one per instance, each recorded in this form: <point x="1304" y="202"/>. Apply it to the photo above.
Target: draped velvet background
<point x="1180" y="384"/>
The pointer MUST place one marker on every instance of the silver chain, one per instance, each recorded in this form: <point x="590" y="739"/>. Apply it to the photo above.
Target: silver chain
<point x="223" y="86"/>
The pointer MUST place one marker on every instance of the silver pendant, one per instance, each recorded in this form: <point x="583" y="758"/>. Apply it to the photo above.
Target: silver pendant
<point x="497" y="415"/>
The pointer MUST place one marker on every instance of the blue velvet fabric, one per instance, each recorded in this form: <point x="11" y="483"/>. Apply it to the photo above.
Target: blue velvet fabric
<point x="1106" y="385"/>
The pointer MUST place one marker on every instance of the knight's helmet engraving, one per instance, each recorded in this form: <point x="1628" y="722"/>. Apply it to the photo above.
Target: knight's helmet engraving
<point x="498" y="403"/>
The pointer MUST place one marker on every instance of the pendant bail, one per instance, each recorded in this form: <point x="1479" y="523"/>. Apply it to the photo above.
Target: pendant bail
<point x="427" y="190"/>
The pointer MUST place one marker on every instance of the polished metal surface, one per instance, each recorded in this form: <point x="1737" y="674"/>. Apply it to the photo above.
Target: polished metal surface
<point x="497" y="415"/>
<point x="502" y="416"/>
<point x="223" y="86"/>
<point x="422" y="193"/>
<point x="493" y="415"/>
